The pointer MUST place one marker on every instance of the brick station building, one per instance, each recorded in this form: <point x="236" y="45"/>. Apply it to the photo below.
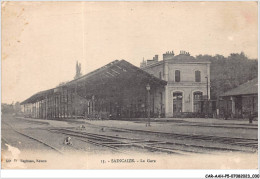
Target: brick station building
<point x="117" y="89"/>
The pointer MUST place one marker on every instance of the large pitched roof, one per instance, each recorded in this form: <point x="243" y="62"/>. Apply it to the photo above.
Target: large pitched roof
<point x="250" y="87"/>
<point x="38" y="96"/>
<point x="114" y="71"/>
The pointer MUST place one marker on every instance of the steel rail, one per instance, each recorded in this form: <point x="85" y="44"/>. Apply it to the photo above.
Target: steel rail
<point x="33" y="138"/>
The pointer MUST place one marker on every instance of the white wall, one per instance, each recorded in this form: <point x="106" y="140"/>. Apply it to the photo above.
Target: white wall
<point x="187" y="85"/>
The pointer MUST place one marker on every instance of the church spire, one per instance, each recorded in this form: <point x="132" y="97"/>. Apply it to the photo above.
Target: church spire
<point x="78" y="70"/>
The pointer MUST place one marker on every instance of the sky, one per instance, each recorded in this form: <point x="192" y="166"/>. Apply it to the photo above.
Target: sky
<point x="41" y="41"/>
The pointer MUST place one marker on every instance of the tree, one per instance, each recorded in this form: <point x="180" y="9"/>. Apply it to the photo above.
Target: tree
<point x="229" y="72"/>
<point x="7" y="108"/>
<point x="17" y="108"/>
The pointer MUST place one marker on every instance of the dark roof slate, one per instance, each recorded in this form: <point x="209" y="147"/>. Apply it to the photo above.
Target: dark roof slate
<point x="250" y="87"/>
<point x="182" y="58"/>
<point x="122" y="65"/>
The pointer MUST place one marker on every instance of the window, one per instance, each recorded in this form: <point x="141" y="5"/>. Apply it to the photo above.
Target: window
<point x="177" y="76"/>
<point x="197" y="95"/>
<point x="160" y="75"/>
<point x="197" y="76"/>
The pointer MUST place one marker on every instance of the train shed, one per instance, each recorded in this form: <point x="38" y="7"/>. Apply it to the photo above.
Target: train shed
<point x="116" y="90"/>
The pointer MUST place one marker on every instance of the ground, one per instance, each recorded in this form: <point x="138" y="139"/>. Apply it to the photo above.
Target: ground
<point x="164" y="138"/>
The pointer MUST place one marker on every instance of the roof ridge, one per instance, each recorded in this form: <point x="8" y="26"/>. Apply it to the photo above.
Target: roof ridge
<point x="244" y="88"/>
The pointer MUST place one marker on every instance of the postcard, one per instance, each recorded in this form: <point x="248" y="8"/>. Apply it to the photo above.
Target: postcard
<point x="129" y="85"/>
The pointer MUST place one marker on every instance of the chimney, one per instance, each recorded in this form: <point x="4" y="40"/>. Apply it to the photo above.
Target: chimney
<point x="155" y="58"/>
<point x="182" y="52"/>
<point x="168" y="55"/>
<point x="143" y="64"/>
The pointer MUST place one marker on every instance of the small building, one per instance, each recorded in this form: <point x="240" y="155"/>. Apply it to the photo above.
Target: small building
<point x="240" y="101"/>
<point x="188" y="82"/>
<point x="118" y="90"/>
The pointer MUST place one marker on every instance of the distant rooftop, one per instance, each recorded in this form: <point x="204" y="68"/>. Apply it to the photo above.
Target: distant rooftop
<point x="183" y="57"/>
<point x="248" y="88"/>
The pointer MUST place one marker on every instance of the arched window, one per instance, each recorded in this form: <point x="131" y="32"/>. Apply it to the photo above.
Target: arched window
<point x="177" y="76"/>
<point x="197" y="76"/>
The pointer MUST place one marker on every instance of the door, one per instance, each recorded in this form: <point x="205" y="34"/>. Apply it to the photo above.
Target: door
<point x="177" y="102"/>
<point x="197" y="101"/>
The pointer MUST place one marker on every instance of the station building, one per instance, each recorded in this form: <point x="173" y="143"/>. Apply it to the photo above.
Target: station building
<point x="188" y="82"/>
<point x="240" y="101"/>
<point x="118" y="89"/>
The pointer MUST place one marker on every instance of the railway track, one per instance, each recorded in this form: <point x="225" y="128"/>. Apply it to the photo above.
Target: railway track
<point x="201" y="124"/>
<point x="235" y="141"/>
<point x="244" y="142"/>
<point x="33" y="122"/>
<point x="213" y="125"/>
<point x="226" y="126"/>
<point x="119" y="144"/>
<point x="32" y="138"/>
<point x="226" y="140"/>
<point x="116" y="143"/>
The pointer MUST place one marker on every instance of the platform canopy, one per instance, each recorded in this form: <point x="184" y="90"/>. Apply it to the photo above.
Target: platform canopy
<point x="111" y="77"/>
<point x="38" y="96"/>
<point x="248" y="88"/>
